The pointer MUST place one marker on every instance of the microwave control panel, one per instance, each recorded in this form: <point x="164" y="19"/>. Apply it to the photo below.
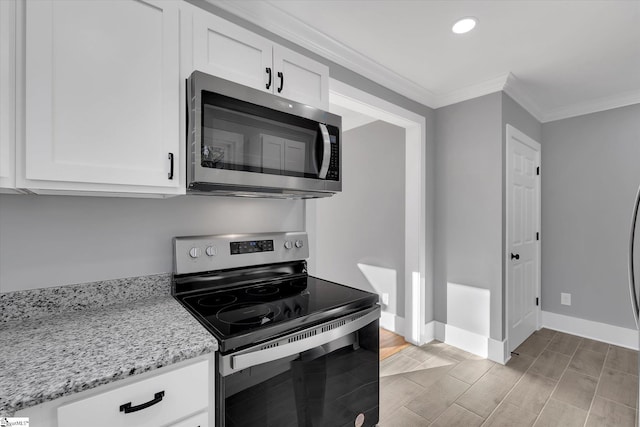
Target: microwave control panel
<point x="334" y="164"/>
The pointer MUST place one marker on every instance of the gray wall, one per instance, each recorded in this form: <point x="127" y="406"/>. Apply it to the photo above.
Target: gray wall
<point x="365" y="223"/>
<point x="590" y="175"/>
<point x="58" y="240"/>
<point x="468" y="204"/>
<point x="521" y="119"/>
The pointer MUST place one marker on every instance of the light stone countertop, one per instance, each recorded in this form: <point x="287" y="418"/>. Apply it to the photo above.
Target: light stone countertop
<point x="47" y="357"/>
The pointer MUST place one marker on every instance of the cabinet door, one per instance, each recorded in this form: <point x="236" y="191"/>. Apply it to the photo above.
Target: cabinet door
<point x="151" y="402"/>
<point x="226" y="50"/>
<point x="300" y="78"/>
<point x="7" y="93"/>
<point x="102" y="92"/>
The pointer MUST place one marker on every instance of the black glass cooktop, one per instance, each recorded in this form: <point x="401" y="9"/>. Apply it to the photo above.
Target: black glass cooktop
<point x="249" y="314"/>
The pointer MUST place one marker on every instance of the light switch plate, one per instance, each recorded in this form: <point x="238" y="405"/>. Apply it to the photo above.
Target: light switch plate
<point x="565" y="299"/>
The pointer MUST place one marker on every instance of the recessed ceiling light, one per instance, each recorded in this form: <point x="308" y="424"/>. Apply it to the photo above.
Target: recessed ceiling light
<point x="464" y="25"/>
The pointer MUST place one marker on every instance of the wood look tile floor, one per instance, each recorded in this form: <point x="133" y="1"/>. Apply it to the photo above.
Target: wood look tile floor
<point x="556" y="379"/>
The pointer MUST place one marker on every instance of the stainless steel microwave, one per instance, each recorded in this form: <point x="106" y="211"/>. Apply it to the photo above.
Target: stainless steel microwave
<point x="245" y="142"/>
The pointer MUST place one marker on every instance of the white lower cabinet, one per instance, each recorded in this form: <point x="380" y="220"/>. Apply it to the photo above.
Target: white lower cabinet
<point x="167" y="397"/>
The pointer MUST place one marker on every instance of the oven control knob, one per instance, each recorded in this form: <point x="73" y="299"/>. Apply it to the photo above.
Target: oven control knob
<point x="211" y="251"/>
<point x="287" y="313"/>
<point x="195" y="252"/>
<point x="299" y="244"/>
<point x="297" y="310"/>
<point x="288" y="244"/>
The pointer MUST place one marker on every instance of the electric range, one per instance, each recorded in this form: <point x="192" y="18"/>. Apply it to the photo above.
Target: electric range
<point x="310" y="342"/>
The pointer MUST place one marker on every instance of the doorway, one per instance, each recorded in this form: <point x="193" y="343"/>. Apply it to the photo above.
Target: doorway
<point x="412" y="325"/>
<point x="522" y="255"/>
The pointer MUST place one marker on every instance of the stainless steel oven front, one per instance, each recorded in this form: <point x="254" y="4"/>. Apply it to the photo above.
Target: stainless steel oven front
<point x="327" y="375"/>
<point x="242" y="141"/>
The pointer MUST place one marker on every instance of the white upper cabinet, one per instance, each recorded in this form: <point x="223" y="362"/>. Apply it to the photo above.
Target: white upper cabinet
<point x="226" y="50"/>
<point x="102" y="96"/>
<point x="223" y="49"/>
<point x="7" y="94"/>
<point x="300" y="78"/>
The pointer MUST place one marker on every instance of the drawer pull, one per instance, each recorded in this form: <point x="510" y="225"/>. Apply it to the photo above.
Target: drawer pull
<point x="127" y="408"/>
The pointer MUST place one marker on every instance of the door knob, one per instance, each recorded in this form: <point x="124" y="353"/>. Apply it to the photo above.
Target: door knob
<point x="516" y="256"/>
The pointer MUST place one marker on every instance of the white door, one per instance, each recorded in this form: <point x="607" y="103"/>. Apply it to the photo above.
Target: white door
<point x="102" y="92"/>
<point x="522" y="237"/>
<point x="300" y="79"/>
<point x="7" y="93"/>
<point x="226" y="50"/>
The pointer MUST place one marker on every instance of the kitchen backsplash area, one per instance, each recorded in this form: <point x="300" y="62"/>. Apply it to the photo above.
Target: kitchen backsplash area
<point x="49" y="241"/>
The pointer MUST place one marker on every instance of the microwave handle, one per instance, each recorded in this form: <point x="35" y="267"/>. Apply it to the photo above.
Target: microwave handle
<point x="326" y="152"/>
<point x="635" y="304"/>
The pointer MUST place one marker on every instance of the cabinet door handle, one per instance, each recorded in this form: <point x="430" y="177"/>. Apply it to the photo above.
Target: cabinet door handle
<point x="281" y="81"/>
<point x="170" y="165"/>
<point x="127" y="408"/>
<point x="270" y="77"/>
<point x="516" y="256"/>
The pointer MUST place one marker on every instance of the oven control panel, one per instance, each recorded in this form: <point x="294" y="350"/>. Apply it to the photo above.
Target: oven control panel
<point x="196" y="254"/>
<point x="251" y="246"/>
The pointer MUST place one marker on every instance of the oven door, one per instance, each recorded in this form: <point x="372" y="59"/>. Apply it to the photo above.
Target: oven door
<point x="324" y="376"/>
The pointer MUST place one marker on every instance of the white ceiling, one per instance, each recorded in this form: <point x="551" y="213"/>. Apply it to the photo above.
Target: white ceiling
<point x="558" y="58"/>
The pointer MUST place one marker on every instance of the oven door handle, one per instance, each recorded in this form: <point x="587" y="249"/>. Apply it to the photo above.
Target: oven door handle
<point x="295" y="346"/>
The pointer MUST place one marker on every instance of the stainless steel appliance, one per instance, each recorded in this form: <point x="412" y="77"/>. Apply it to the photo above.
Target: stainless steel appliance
<point x="245" y="142"/>
<point x="294" y="350"/>
<point x="634" y="264"/>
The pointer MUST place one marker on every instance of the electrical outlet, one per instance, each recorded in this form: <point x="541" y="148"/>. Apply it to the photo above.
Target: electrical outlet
<point x="565" y="299"/>
<point x="385" y="298"/>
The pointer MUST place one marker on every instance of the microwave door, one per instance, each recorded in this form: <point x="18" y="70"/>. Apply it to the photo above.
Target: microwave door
<point x="634" y="258"/>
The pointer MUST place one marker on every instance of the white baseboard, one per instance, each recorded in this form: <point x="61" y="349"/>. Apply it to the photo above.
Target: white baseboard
<point x="428" y="332"/>
<point x="498" y="351"/>
<point x="467" y="341"/>
<point x="472" y="342"/>
<point x="391" y="322"/>
<point x="617" y="335"/>
<point x="439" y="331"/>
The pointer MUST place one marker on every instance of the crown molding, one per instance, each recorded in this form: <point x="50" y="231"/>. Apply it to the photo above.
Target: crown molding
<point x="607" y="103"/>
<point x="517" y="91"/>
<point x="276" y="20"/>
<point x="469" y="92"/>
<point x="270" y="17"/>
